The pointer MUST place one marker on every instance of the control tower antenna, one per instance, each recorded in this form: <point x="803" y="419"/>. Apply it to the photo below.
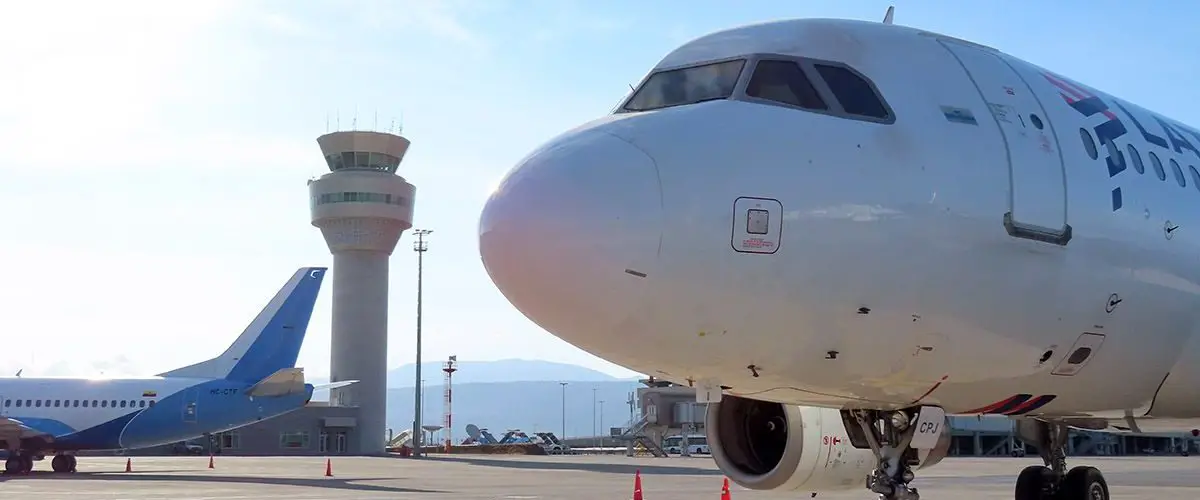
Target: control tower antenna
<point x="361" y="207"/>
<point x="450" y="367"/>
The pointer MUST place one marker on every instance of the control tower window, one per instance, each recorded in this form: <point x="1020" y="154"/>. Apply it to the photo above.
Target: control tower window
<point x="852" y="91"/>
<point x="690" y="85"/>
<point x="784" y="81"/>
<point x="360" y="197"/>
<point x="362" y="160"/>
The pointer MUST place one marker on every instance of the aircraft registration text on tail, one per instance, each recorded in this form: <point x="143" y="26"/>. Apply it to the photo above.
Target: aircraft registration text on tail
<point x="864" y="227"/>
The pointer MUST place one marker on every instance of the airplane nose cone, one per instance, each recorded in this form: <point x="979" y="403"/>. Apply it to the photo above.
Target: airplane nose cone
<point x="572" y="234"/>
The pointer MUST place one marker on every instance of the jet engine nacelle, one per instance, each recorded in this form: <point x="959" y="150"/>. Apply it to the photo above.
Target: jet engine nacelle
<point x="770" y="446"/>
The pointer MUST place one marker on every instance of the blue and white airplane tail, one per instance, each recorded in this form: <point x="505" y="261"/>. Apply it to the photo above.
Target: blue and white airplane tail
<point x="272" y="341"/>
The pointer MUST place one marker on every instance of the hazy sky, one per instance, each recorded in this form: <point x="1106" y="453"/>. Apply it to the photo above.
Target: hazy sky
<point x="155" y="153"/>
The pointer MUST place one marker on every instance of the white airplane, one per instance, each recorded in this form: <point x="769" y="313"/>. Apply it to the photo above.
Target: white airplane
<point x="867" y="227"/>
<point x="254" y="379"/>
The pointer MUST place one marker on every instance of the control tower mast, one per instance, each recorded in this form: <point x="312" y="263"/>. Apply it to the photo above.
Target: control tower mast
<point x="362" y="207"/>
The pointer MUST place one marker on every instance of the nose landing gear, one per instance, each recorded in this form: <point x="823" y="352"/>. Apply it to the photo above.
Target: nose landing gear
<point x="895" y="437"/>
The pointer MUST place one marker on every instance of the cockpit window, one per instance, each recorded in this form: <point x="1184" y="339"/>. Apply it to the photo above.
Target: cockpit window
<point x="687" y="86"/>
<point x="784" y="81"/>
<point x="852" y="91"/>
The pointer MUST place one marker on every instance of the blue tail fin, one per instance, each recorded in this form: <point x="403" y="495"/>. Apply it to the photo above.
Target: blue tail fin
<point x="272" y="341"/>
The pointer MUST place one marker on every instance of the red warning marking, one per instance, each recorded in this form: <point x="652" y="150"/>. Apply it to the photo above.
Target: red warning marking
<point x="931" y="389"/>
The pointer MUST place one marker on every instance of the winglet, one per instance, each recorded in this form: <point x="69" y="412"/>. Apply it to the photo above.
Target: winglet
<point x="891" y="12"/>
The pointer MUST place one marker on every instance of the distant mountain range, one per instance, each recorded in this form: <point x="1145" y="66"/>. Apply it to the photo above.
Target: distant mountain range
<point x="504" y="370"/>
<point x="510" y="394"/>
<point x="529" y="406"/>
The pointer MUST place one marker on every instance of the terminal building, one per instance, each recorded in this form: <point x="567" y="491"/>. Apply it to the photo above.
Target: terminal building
<point x="669" y="410"/>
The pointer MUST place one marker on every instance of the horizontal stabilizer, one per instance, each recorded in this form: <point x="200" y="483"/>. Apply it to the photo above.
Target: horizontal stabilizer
<point x="281" y="383"/>
<point x="334" y="385"/>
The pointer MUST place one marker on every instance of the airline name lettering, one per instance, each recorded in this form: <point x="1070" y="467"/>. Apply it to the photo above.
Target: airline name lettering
<point x="1089" y="104"/>
<point x="228" y="391"/>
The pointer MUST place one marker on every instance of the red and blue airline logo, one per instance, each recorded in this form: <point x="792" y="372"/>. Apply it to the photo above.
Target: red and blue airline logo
<point x="1018" y="404"/>
<point x="1088" y="104"/>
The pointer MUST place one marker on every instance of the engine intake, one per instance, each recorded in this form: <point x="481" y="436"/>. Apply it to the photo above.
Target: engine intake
<point x="762" y="445"/>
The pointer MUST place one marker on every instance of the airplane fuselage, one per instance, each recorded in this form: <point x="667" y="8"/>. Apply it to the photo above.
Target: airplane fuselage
<point x="100" y="414"/>
<point x="254" y="378"/>
<point x="994" y="238"/>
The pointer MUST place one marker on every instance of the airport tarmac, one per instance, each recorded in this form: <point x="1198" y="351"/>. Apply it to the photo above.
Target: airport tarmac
<point x="532" y="478"/>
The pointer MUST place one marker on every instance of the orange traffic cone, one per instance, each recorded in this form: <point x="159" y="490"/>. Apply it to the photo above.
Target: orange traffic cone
<point x="328" y="468"/>
<point x="210" y="461"/>
<point x="637" y="485"/>
<point x="725" y="490"/>
<point x="128" y="465"/>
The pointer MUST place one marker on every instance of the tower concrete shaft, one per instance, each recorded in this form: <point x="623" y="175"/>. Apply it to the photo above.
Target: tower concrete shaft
<point x="362" y="207"/>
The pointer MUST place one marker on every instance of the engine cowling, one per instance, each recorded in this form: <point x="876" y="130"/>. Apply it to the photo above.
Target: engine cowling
<point x="762" y="445"/>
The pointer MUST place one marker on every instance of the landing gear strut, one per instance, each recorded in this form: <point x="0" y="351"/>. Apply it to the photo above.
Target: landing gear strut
<point x="890" y="434"/>
<point x="1053" y="481"/>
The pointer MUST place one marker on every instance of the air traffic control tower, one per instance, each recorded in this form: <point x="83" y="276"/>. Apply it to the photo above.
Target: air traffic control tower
<point x="362" y="207"/>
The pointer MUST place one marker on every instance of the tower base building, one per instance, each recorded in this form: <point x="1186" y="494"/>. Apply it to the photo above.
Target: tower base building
<point x="362" y="207"/>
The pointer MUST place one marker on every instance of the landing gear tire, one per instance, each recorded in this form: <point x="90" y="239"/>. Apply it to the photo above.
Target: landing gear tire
<point x="1083" y="483"/>
<point x="1052" y="481"/>
<point x="18" y="464"/>
<point x="63" y="463"/>
<point x="1035" y="482"/>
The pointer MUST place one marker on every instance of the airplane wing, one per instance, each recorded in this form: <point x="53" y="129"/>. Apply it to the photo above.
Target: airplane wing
<point x="334" y="385"/>
<point x="11" y="428"/>
<point x="281" y="383"/>
<point x="288" y="381"/>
